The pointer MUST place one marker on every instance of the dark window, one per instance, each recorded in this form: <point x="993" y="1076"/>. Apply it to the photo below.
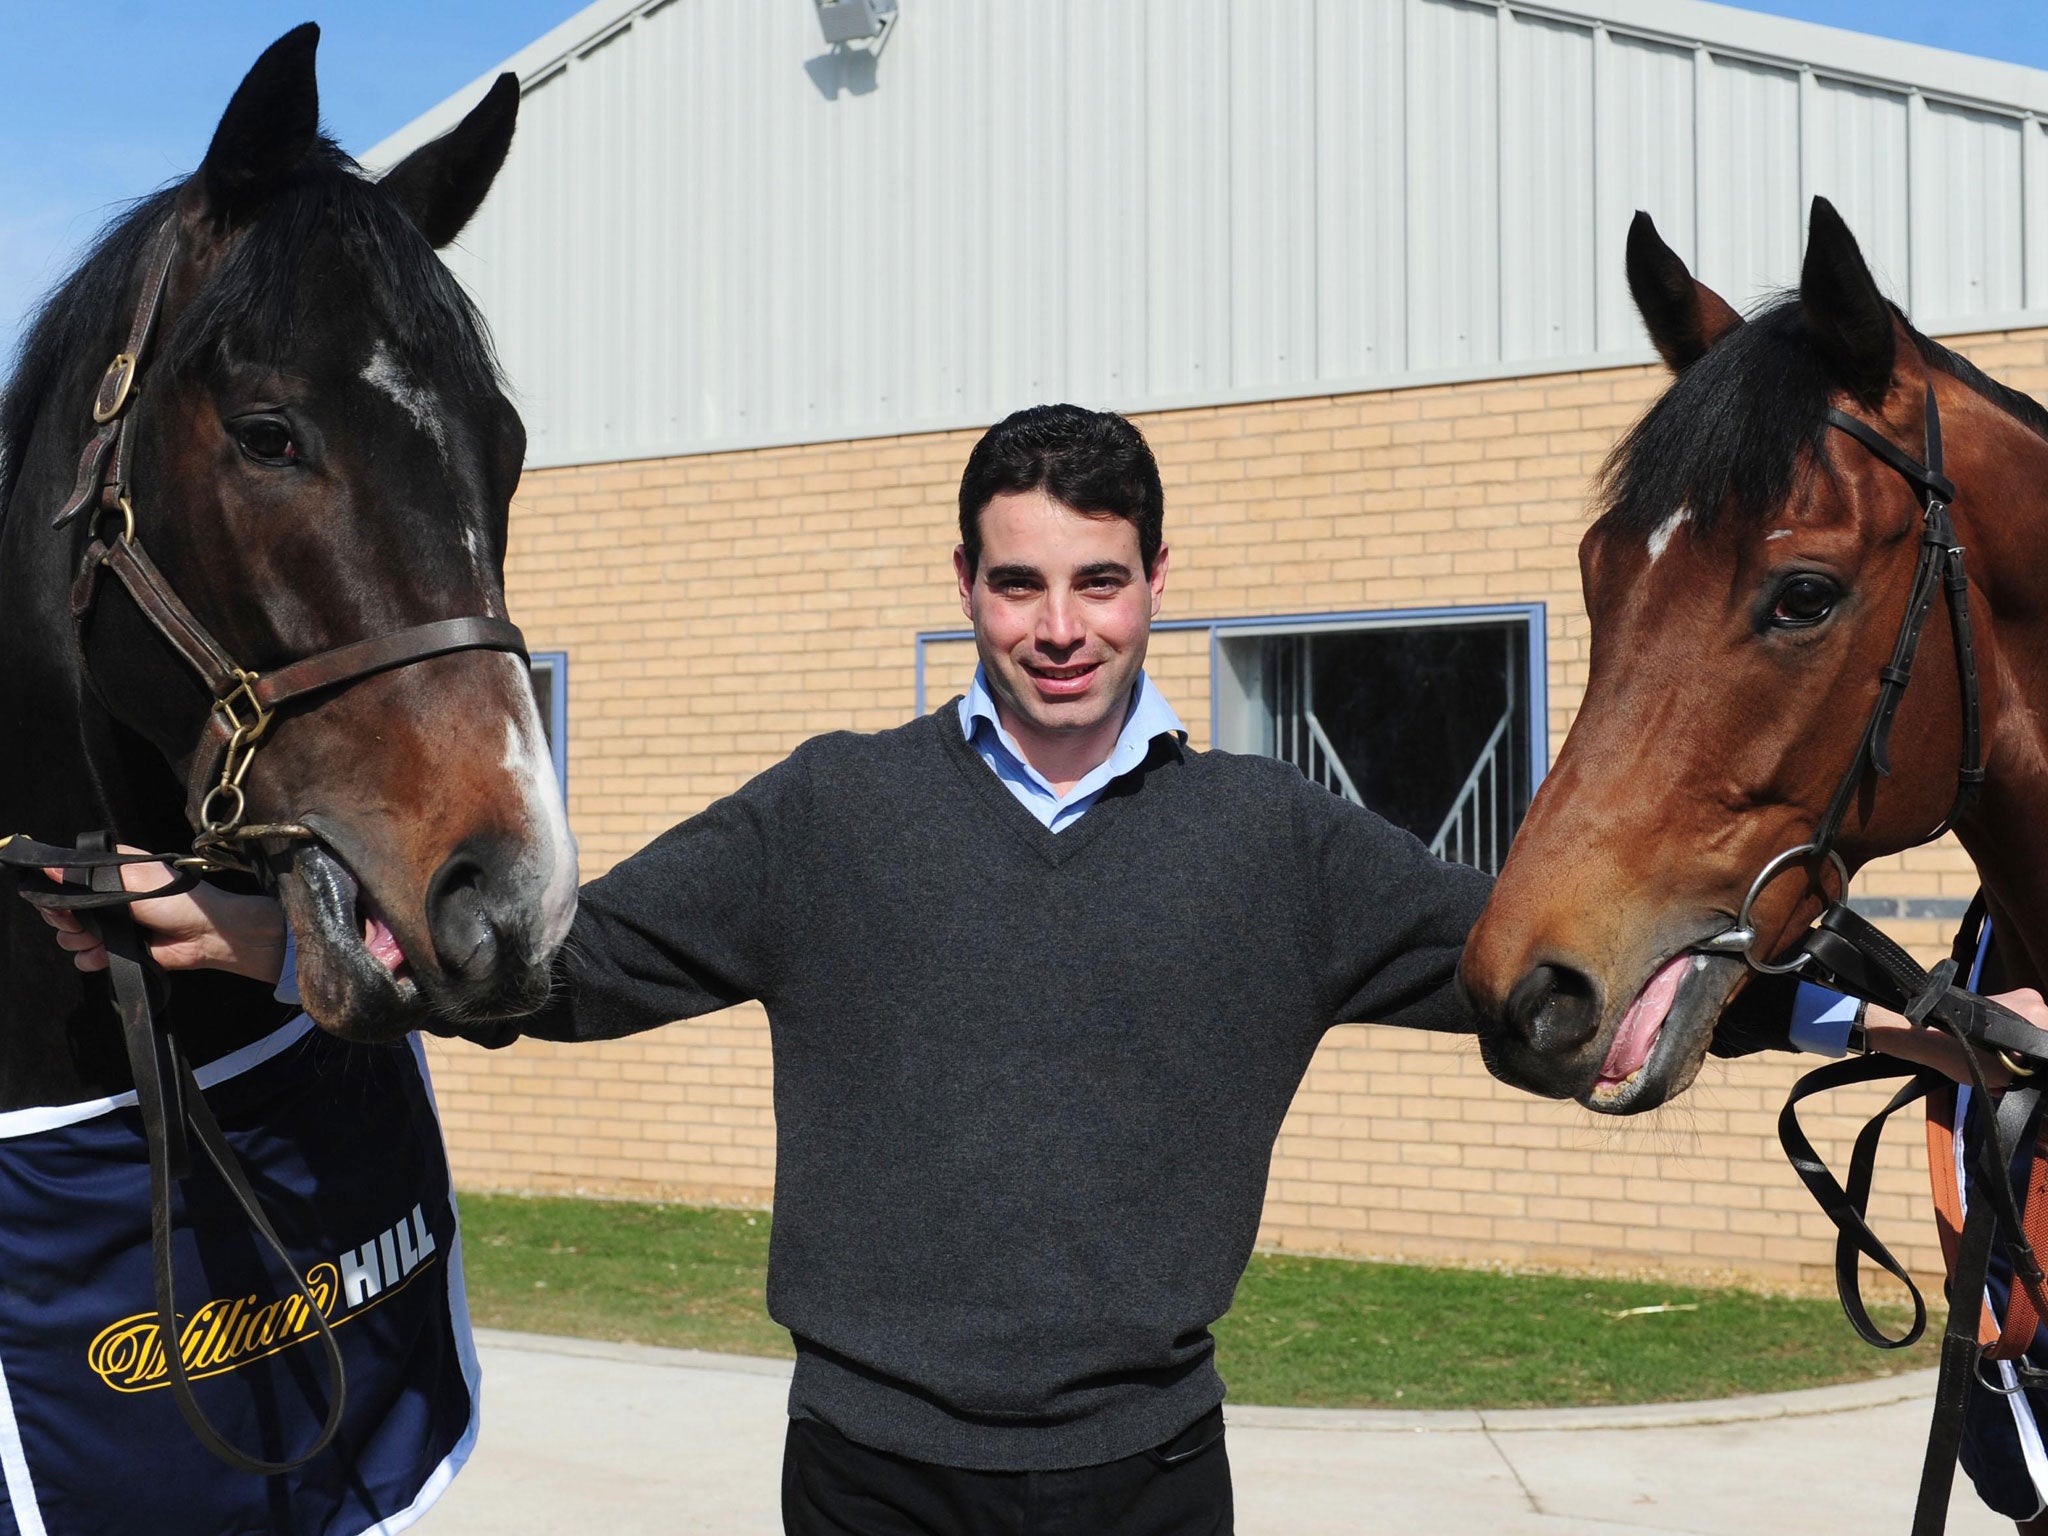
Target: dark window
<point x="1428" y="724"/>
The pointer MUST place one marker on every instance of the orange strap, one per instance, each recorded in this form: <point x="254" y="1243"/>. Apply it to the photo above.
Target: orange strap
<point x="2022" y="1313"/>
<point x="1948" y="1198"/>
<point x="2022" y="1316"/>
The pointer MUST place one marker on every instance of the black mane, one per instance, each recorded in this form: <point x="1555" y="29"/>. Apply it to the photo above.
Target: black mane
<point x="246" y="307"/>
<point x="1735" y="431"/>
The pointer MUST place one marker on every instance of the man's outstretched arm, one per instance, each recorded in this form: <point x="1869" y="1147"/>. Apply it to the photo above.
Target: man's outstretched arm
<point x="693" y="922"/>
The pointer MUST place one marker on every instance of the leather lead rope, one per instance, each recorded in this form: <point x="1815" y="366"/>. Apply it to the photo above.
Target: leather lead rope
<point x="1848" y="1208"/>
<point x="1850" y="953"/>
<point x="1959" y="1349"/>
<point x="174" y="1114"/>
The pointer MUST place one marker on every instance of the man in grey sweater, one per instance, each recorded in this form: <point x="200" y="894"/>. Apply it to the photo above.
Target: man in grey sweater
<point x="1041" y="982"/>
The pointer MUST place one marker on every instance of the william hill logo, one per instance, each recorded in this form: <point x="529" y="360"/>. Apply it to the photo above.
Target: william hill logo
<point x="229" y="1332"/>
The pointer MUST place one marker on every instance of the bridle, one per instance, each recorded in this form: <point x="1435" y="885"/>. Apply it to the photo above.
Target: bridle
<point x="1939" y="569"/>
<point x="245" y="703"/>
<point x="1847" y="952"/>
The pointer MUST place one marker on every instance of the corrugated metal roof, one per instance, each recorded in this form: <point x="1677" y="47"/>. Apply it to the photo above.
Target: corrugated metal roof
<point x="713" y="232"/>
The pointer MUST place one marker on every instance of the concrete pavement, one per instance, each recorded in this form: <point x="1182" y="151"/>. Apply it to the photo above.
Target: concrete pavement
<point x="622" y="1440"/>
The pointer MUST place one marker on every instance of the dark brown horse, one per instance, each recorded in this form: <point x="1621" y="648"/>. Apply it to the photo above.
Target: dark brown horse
<point x="1746" y="583"/>
<point x="321" y="454"/>
<point x="317" y="459"/>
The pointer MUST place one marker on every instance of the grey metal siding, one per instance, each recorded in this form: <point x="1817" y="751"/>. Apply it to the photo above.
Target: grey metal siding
<point x="713" y="233"/>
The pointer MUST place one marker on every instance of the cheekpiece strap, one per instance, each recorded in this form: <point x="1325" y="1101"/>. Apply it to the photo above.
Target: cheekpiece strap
<point x="116" y="390"/>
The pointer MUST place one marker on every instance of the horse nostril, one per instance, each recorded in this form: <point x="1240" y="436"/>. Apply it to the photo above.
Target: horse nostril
<point x="1555" y="1009"/>
<point x="459" y="918"/>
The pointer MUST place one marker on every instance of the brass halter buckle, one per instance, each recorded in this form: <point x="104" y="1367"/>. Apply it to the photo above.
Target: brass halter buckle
<point x="246" y="720"/>
<point x="116" y="386"/>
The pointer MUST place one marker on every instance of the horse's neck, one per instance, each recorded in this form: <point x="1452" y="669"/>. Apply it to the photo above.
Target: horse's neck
<point x="2005" y="828"/>
<point x="2007" y="839"/>
<point x="68" y="770"/>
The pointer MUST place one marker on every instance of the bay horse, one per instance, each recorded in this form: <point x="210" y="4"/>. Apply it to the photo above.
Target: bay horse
<point x="1747" y="579"/>
<point x="1745" y="583"/>
<point x="315" y="451"/>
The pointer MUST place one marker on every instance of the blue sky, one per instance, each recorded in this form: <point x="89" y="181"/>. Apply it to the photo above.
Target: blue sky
<point x="106" y="99"/>
<point x="103" y="100"/>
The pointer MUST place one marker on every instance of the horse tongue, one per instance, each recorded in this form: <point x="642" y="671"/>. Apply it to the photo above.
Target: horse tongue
<point x="1637" y="1033"/>
<point x="380" y="941"/>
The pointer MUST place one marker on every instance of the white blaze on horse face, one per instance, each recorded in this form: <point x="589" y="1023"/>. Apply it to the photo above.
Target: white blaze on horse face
<point x="550" y="862"/>
<point x="382" y="373"/>
<point x="1661" y="536"/>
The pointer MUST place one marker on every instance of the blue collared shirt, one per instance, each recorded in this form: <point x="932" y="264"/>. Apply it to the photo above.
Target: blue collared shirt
<point x="1821" y="1020"/>
<point x="1150" y="717"/>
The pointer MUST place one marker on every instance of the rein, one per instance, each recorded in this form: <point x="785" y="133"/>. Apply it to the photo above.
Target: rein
<point x="1848" y="953"/>
<point x="245" y="705"/>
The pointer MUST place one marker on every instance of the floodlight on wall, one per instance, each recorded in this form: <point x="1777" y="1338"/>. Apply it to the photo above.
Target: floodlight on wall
<point x="860" y="26"/>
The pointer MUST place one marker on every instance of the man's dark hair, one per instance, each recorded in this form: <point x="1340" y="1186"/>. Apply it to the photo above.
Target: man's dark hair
<point x="1092" y="461"/>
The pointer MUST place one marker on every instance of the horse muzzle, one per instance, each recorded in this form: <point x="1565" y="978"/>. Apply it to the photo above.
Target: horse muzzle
<point x="366" y="977"/>
<point x="1557" y="1033"/>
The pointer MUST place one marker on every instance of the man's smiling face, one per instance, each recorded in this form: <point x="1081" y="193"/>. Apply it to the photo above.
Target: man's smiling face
<point x="1062" y="606"/>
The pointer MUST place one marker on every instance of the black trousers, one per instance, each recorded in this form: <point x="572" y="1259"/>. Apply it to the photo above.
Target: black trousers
<point x="833" y="1487"/>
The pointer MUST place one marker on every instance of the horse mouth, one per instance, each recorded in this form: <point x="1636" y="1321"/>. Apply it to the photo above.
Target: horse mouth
<point x="354" y="976"/>
<point x="1661" y="1039"/>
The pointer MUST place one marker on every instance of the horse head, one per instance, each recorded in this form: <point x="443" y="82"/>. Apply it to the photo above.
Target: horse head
<point x="321" y="454"/>
<point x="1746" y="584"/>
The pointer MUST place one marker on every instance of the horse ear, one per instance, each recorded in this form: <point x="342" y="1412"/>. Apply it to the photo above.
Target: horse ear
<point x="271" y="124"/>
<point x="442" y="184"/>
<point x="1849" y="317"/>
<point x="1683" y="315"/>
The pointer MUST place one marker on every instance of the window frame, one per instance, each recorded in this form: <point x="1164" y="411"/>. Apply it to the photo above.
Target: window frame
<point x="557" y="664"/>
<point x="1534" y="616"/>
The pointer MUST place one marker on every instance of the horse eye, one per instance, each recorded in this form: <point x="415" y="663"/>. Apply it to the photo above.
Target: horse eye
<point x="1803" y="602"/>
<point x="267" y="440"/>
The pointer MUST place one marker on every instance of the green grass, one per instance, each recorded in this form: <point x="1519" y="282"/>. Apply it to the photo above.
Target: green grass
<point x="679" y="1275"/>
<point x="1313" y="1332"/>
<point x="1330" y="1333"/>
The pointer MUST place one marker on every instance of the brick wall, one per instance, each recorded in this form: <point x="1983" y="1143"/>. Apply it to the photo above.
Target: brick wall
<point x="718" y="610"/>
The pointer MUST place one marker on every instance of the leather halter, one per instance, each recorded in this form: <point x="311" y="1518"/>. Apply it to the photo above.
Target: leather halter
<point x="1939" y="568"/>
<point x="245" y="702"/>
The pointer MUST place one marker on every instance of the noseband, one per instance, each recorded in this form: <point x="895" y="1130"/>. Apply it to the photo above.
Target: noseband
<point x="1939" y="568"/>
<point x="245" y="702"/>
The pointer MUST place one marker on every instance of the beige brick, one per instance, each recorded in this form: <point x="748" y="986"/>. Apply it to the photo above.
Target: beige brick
<point x="775" y="594"/>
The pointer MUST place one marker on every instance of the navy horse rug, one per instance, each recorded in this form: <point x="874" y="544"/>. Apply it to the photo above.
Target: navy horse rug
<point x="343" y="1144"/>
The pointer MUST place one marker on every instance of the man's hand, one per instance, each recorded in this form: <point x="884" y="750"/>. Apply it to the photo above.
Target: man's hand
<point x="1893" y="1034"/>
<point x="205" y="927"/>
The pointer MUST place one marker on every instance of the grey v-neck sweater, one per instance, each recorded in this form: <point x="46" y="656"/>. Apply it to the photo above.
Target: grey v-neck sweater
<point x="1026" y="1084"/>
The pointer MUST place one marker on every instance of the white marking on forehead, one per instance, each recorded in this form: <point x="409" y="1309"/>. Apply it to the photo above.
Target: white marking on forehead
<point x="1661" y="536"/>
<point x="416" y="400"/>
<point x="1779" y="533"/>
<point x="473" y="542"/>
